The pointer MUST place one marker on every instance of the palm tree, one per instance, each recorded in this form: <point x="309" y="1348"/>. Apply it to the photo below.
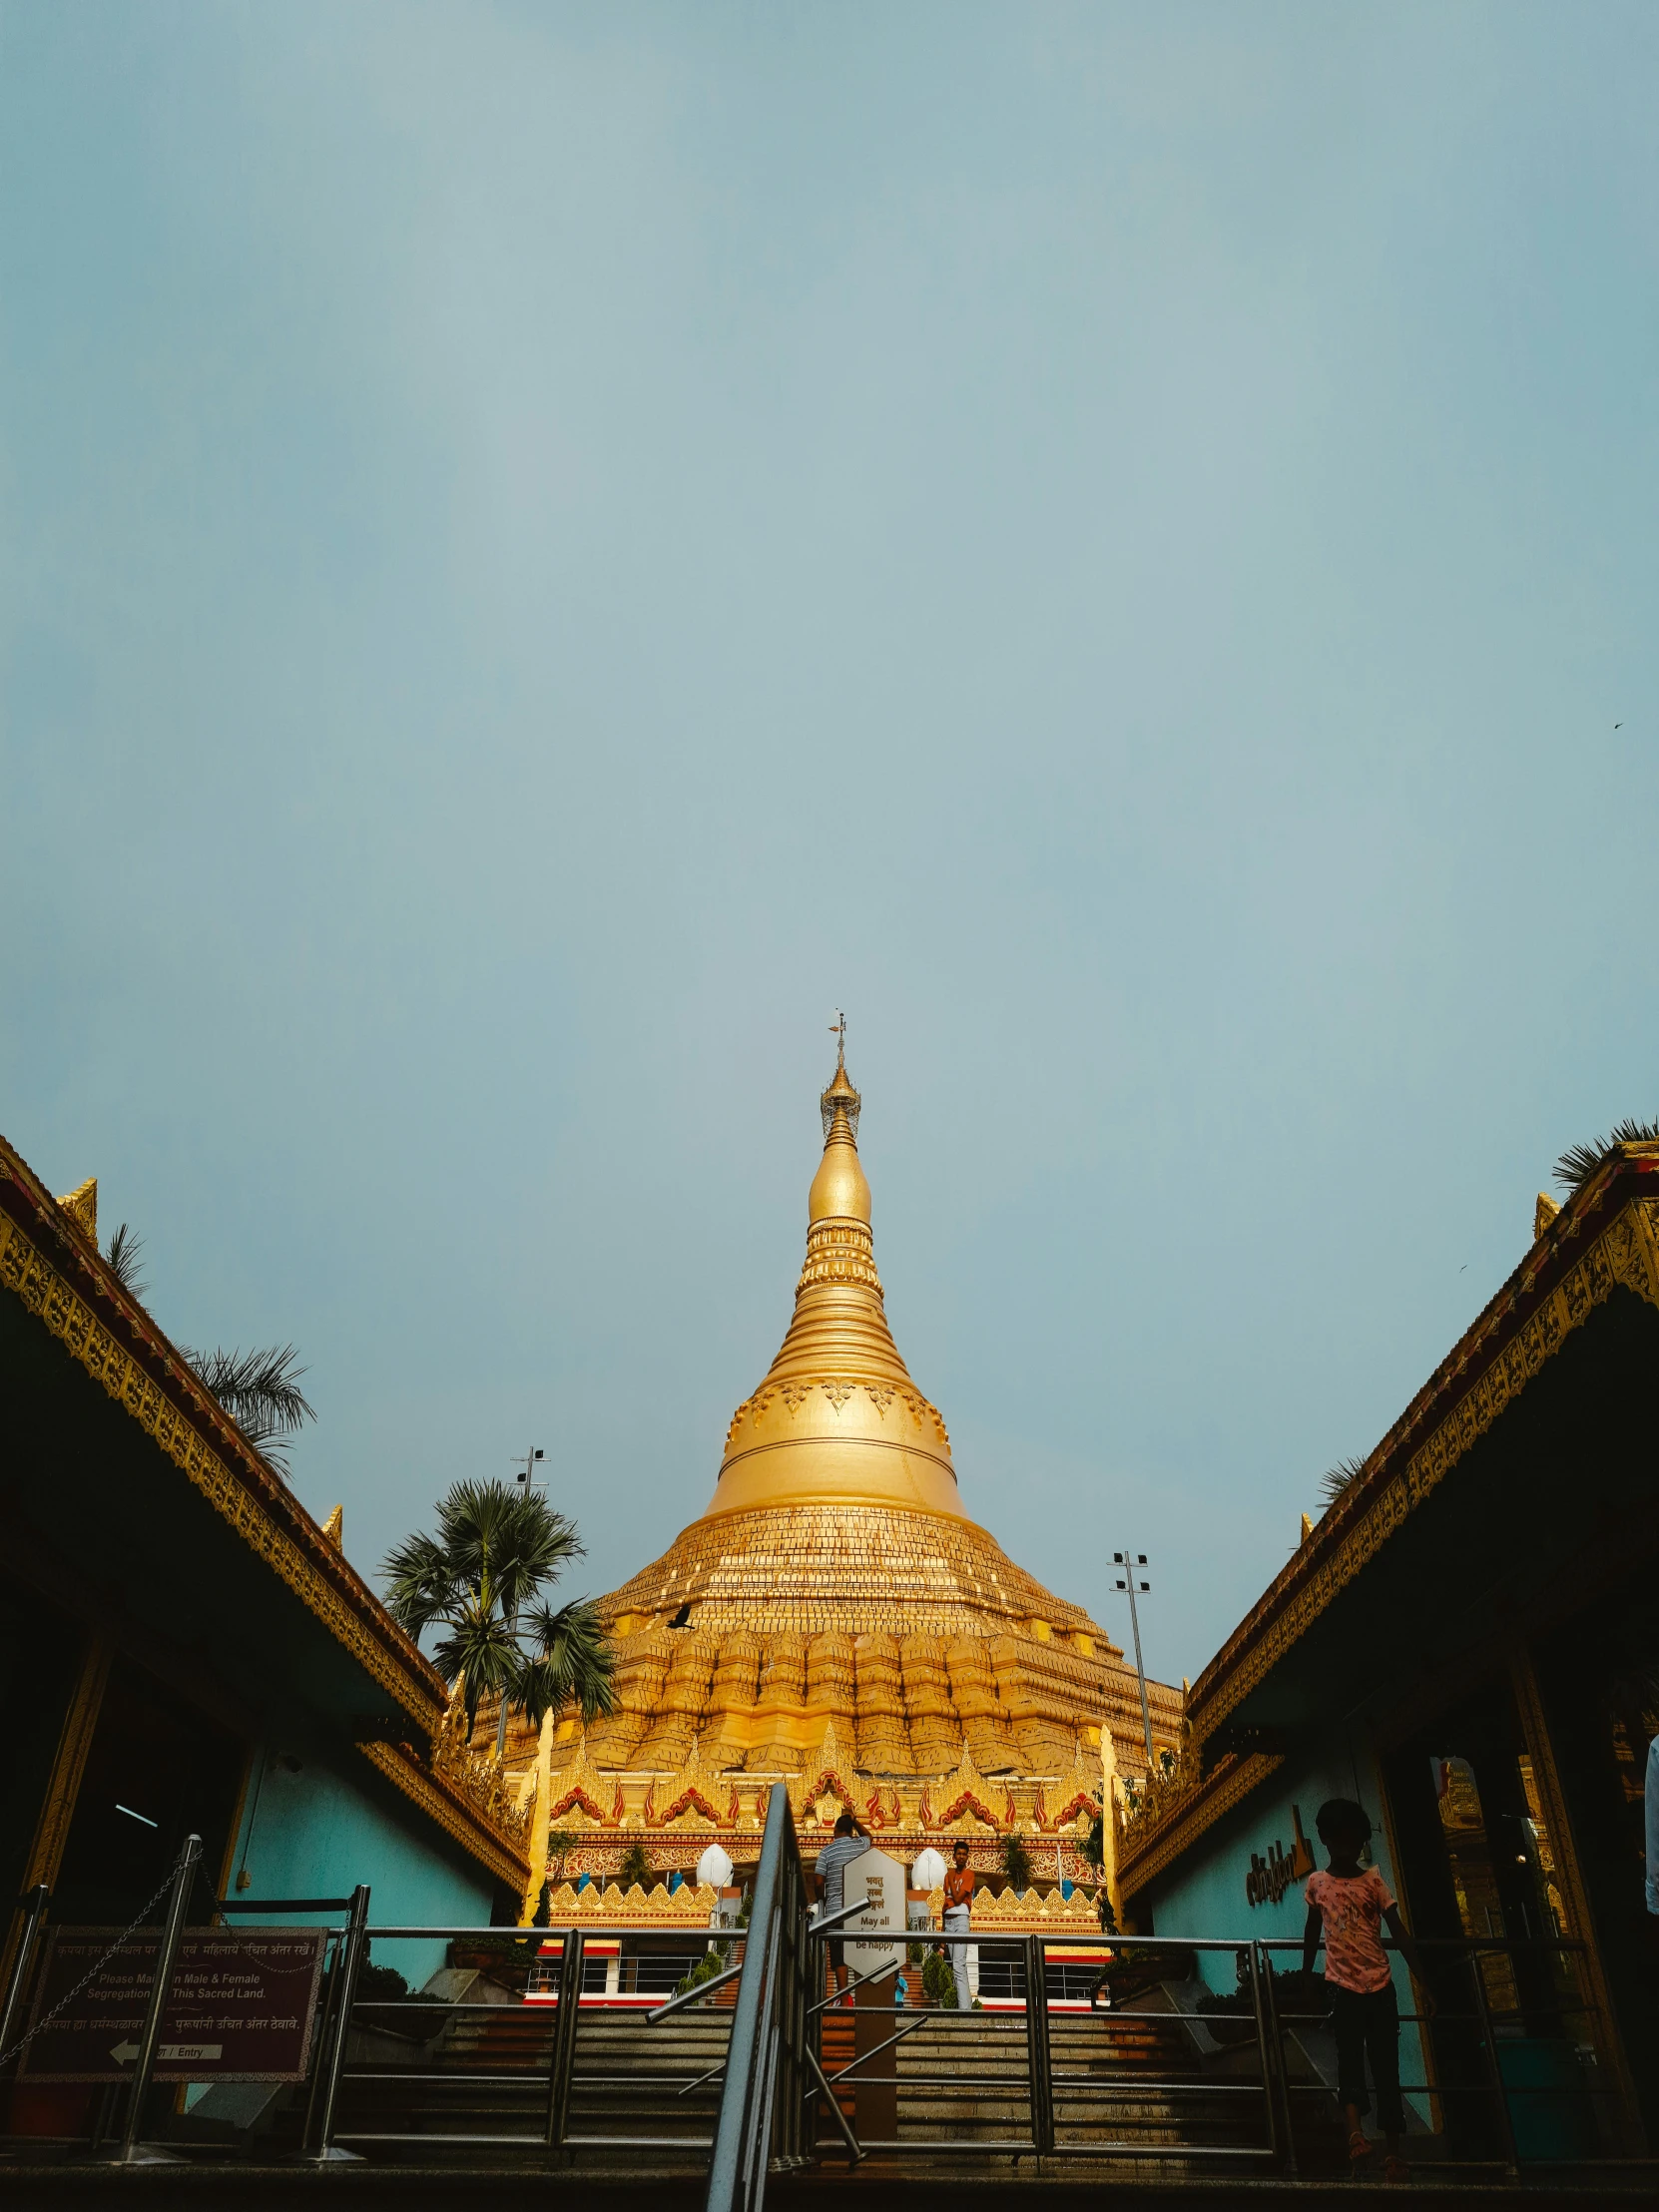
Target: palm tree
<point x="259" y="1388"/>
<point x="480" y="1580"/>
<point x="1580" y="1162"/>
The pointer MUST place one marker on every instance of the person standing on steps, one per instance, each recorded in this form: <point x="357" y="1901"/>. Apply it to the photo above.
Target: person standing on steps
<point x="959" y="1908"/>
<point x="1347" y="1904"/>
<point x="849" y="1841"/>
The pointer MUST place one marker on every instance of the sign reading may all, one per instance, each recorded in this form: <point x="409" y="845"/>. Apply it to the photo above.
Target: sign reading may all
<point x="240" y="2010"/>
<point x="880" y="1880"/>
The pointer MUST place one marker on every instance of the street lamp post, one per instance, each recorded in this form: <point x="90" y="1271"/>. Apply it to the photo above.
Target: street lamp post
<point x="526" y="1475"/>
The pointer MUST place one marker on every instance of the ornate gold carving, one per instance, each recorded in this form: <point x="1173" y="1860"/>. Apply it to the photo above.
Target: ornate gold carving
<point x="884" y="1742"/>
<point x="478" y="1778"/>
<point x="1159" y="1845"/>
<point x="457" y="1819"/>
<point x="47" y="1293"/>
<point x="334" y="1528"/>
<point x="82" y="1208"/>
<point x="1543" y="1213"/>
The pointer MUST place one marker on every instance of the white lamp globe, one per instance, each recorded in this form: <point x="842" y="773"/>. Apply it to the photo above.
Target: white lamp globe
<point x="714" y="1869"/>
<point x="928" y="1871"/>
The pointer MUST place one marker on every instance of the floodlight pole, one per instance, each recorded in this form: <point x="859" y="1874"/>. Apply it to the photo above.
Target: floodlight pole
<point x="528" y="1478"/>
<point x="1128" y="1560"/>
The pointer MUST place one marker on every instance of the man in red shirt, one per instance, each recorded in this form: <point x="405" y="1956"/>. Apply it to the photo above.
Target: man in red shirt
<point x="958" y="1903"/>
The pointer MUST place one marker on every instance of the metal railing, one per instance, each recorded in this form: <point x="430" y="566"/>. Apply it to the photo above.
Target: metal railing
<point x="1164" y="2075"/>
<point x="1234" y="2104"/>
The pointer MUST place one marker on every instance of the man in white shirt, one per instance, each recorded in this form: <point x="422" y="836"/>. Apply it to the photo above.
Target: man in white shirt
<point x="849" y="1841"/>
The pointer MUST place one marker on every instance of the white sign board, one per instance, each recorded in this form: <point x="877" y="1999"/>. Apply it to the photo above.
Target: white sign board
<point x="882" y="1882"/>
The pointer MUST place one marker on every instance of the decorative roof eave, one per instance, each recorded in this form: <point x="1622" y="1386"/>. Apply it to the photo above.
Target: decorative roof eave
<point x="1605" y="1237"/>
<point x="451" y="1810"/>
<point x="58" y="1274"/>
<point x="1147" y="1848"/>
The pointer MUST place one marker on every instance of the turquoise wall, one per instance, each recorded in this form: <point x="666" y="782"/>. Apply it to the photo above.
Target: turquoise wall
<point x="1203" y="1893"/>
<point x="319" y="1832"/>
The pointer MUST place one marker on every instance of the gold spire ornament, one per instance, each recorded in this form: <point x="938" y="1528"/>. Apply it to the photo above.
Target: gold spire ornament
<point x="836" y="1415"/>
<point x="80" y="1206"/>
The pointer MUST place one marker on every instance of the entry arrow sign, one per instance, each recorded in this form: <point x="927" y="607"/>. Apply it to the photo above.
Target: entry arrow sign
<point x="170" y="2054"/>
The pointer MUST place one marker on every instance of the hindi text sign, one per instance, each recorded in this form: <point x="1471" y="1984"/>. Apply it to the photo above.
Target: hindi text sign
<point x="240" y="2010"/>
<point x="880" y="1880"/>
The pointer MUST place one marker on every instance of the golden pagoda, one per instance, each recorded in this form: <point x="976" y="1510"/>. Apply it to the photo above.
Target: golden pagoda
<point x="836" y="1619"/>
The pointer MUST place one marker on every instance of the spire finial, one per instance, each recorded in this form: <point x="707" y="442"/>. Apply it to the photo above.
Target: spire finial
<point x="839" y="1103"/>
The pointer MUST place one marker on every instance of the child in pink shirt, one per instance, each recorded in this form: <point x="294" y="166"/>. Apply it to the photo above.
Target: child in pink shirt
<point x="1346" y="1906"/>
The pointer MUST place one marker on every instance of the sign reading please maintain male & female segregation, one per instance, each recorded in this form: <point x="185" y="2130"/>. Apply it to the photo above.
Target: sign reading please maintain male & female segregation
<point x="240" y="2008"/>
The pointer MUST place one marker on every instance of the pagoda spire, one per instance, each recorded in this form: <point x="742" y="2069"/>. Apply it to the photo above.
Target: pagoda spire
<point x="836" y="1415"/>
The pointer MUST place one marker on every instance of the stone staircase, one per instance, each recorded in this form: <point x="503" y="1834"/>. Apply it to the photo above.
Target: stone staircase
<point x="647" y="2097"/>
<point x="637" y="2090"/>
<point x="962" y="2080"/>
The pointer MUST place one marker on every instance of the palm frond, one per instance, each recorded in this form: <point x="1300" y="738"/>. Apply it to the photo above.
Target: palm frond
<point x="1581" y="1162"/>
<point x="480" y="1652"/>
<point x="259" y="1389"/>
<point x="123" y="1257"/>
<point x="1336" y="1480"/>
<point x="569" y="1659"/>
<point x="420" y="1587"/>
<point x="504" y="1540"/>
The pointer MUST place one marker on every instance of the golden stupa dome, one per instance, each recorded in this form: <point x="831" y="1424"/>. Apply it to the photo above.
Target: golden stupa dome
<point x="837" y="1415"/>
<point x="835" y="1606"/>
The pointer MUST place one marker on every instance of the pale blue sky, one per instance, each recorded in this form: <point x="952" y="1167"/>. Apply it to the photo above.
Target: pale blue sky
<point x="546" y="548"/>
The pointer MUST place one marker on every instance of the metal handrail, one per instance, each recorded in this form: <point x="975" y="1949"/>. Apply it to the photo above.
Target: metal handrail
<point x="770" y="2051"/>
<point x="774" y="2089"/>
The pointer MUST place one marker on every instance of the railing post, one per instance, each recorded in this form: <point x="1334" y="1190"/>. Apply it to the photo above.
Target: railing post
<point x="562" y="2059"/>
<point x="349" y="1961"/>
<point x="1037" y="2061"/>
<point x="131" y="2152"/>
<point x="33" y="1907"/>
<point x="1276" y="2149"/>
<point x="1494" y="2073"/>
<point x="1274" y="2049"/>
<point x="733" y="2180"/>
<point x="793" y="2014"/>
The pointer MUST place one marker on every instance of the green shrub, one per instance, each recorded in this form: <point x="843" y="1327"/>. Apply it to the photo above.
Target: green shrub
<point x="1016" y="1861"/>
<point x="636" y="1866"/>
<point x="937" y="1978"/>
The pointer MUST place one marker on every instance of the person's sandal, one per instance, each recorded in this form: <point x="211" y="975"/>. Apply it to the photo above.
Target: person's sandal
<point x="1395" y="2168"/>
<point x="1360" y="2151"/>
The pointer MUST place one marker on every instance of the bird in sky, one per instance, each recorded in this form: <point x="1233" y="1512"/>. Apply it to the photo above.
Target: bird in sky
<point x="1618" y="726"/>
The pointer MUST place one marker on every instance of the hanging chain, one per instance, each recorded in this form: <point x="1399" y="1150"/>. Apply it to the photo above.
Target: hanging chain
<point x="97" y="1969"/>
